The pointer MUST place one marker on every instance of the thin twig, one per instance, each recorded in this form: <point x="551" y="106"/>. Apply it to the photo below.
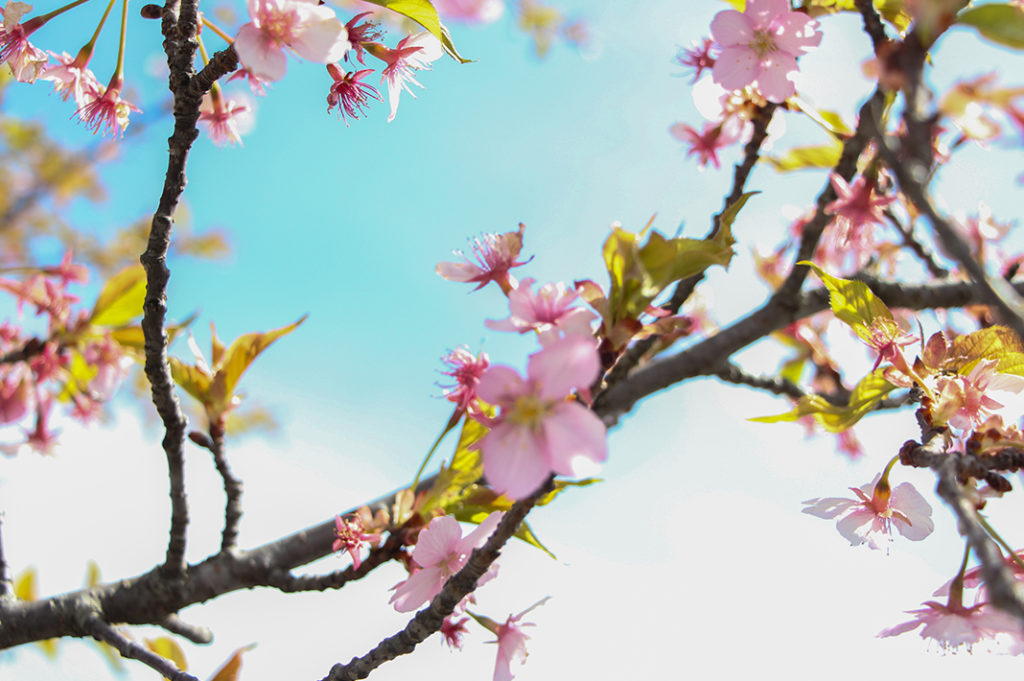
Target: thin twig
<point x="232" y="490"/>
<point x="283" y="580"/>
<point x="731" y="373"/>
<point x="872" y="23"/>
<point x="429" y="620"/>
<point x="6" y="585"/>
<point x="193" y="632"/>
<point x="920" y="250"/>
<point x="684" y="288"/>
<point x="94" y="626"/>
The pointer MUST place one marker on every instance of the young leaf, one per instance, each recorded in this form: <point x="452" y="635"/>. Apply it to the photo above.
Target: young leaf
<point x="168" y="648"/>
<point x="424" y="14"/>
<point x="195" y="382"/>
<point x="994" y="342"/>
<point x="812" y="156"/>
<point x="231" y="668"/>
<point x="852" y="301"/>
<point x="865" y="397"/>
<point x="121" y="298"/>
<point x="1001" y="23"/>
<point x="237" y="359"/>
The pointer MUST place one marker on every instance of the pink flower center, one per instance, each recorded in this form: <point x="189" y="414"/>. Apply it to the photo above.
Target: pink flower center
<point x="528" y="411"/>
<point x="279" y="26"/>
<point x="763" y="43"/>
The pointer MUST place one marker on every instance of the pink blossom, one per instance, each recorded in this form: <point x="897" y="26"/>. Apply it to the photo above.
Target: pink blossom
<point x="257" y="84"/>
<point x="72" y="79"/>
<point x="471" y="11"/>
<point x="106" y="111"/>
<point x="350" y="535"/>
<point x="538" y="430"/>
<point x="309" y="29"/>
<point x="872" y="515"/>
<point x="965" y="402"/>
<point x="413" y="53"/>
<point x="955" y="625"/>
<point x="857" y="209"/>
<point x="41" y="439"/>
<point x="495" y="255"/>
<point x="466" y="369"/>
<point x="360" y="33"/>
<point x="511" y="646"/>
<point x="348" y="93"/>
<point x="26" y="61"/>
<point x="16" y="396"/>
<point x="453" y="631"/>
<point x="887" y="339"/>
<point x="698" y="58"/>
<point x="440" y="551"/>
<point x="549" y="312"/>
<point x="67" y="271"/>
<point x="223" y="117"/>
<point x="707" y="142"/>
<point x="760" y="46"/>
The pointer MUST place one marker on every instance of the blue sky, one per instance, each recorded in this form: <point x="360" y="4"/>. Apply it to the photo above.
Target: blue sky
<point x="693" y="551"/>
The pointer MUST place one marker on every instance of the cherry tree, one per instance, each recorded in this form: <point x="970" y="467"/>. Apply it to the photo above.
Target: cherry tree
<point x="878" y="299"/>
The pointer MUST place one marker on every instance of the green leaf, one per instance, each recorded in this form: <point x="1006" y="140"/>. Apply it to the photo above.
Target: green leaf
<point x="869" y="392"/>
<point x="195" y="382"/>
<point x="994" y="342"/>
<point x="237" y="359"/>
<point x="121" y="299"/>
<point x="424" y="14"/>
<point x="1001" y="23"/>
<point x="811" y="156"/>
<point x="738" y="5"/>
<point x="457" y="477"/>
<point x="852" y="301"/>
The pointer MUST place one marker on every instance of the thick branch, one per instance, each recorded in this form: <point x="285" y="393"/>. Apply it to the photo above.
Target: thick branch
<point x="6" y="585"/>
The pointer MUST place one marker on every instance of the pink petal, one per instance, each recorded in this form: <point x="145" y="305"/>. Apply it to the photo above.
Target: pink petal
<point x="856" y="526"/>
<point x="773" y="81"/>
<point x="458" y="271"/>
<point x="797" y="33"/>
<point x="261" y="57"/>
<point x="829" y="507"/>
<point x="322" y="37"/>
<point x="730" y="27"/>
<point x="565" y="364"/>
<point x="736" y="68"/>
<point x="573" y="434"/>
<point x="761" y="12"/>
<point x="501" y="385"/>
<point x="477" y="537"/>
<point x="908" y="501"/>
<point x="513" y="462"/>
<point x="418" y="589"/>
<point x="436" y="543"/>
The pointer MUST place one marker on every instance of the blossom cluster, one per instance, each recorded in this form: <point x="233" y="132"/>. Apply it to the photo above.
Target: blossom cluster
<point x="75" y="359"/>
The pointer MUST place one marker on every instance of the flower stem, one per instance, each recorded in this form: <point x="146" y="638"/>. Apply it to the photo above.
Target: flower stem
<point x="42" y="19"/>
<point x="1002" y="542"/>
<point x="85" y="54"/>
<point x="447" y="429"/>
<point x="216" y="29"/>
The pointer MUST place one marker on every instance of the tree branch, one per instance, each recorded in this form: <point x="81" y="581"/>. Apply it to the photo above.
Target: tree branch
<point x="6" y="585"/>
<point x="232" y="490"/>
<point x="429" y="620"/>
<point x="93" y="625"/>
<point x="195" y="633"/>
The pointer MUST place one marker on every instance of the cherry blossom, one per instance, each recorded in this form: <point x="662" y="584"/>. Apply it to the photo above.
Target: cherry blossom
<point x="106" y="111"/>
<point x="223" y="118"/>
<point x="761" y="46"/>
<point x="956" y="625"/>
<point x="350" y="535"/>
<point x="348" y="93"/>
<point x="466" y="369"/>
<point x="471" y="11"/>
<point x="538" y="430"/>
<point x="70" y="78"/>
<point x="857" y="210"/>
<point x="549" y="312"/>
<point x="26" y="61"/>
<point x="453" y="631"/>
<point x="440" y="552"/>
<point x="707" y="142"/>
<point x="16" y="395"/>
<point x="309" y="29"/>
<point x="511" y="640"/>
<point x="360" y="33"/>
<point x="413" y="53"/>
<point x="887" y="339"/>
<point x="495" y="255"/>
<point x="872" y="515"/>
<point x="968" y="401"/>
<point x="698" y="58"/>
